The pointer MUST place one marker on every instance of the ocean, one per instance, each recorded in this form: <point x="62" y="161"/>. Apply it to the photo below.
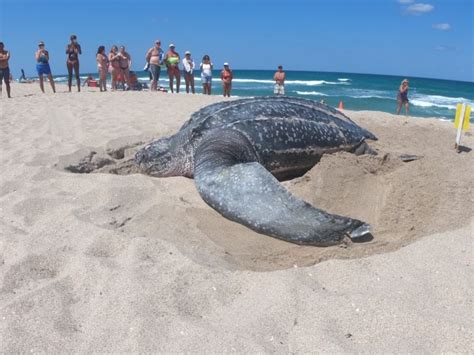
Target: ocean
<point x="428" y="97"/>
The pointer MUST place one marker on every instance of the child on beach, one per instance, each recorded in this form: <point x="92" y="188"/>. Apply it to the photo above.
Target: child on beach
<point x="188" y="71"/>
<point x="402" y="97"/>
<point x="102" y="64"/>
<point x="226" y="77"/>
<point x="4" y="68"/>
<point x="42" y="66"/>
<point x="206" y="74"/>
<point x="73" y="50"/>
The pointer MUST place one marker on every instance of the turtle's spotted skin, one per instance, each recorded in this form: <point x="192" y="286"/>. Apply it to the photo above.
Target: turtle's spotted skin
<point x="236" y="151"/>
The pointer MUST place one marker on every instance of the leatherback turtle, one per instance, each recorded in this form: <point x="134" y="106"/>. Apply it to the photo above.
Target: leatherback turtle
<point x="236" y="151"/>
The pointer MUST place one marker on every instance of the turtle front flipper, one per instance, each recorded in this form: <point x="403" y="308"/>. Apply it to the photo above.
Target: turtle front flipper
<point x="230" y="179"/>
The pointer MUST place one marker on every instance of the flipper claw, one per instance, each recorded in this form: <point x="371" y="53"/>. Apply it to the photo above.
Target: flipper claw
<point x="360" y="231"/>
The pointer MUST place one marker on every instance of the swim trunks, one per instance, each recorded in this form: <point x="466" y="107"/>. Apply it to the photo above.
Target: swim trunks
<point x="279" y="89"/>
<point x="43" y="68"/>
<point x="155" y="71"/>
<point x="206" y="79"/>
<point x="4" y="75"/>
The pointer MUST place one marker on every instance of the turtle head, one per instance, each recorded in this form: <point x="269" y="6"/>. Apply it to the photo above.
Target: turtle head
<point x="161" y="158"/>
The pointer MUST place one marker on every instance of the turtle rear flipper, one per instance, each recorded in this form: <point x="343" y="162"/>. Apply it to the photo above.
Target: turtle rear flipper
<point x="230" y="179"/>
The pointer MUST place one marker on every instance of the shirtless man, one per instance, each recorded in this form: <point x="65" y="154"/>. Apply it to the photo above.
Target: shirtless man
<point x="125" y="62"/>
<point x="4" y="69"/>
<point x="172" y="62"/>
<point x="154" y="57"/>
<point x="279" y="78"/>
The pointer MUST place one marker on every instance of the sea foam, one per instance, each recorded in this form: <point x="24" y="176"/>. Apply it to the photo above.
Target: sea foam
<point x="312" y="93"/>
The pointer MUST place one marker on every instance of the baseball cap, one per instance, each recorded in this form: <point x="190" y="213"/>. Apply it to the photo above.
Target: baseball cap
<point x="226" y="64"/>
<point x="187" y="52"/>
<point x="41" y="43"/>
<point x="172" y="45"/>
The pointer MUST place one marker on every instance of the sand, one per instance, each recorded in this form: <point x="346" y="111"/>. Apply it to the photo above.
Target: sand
<point x="114" y="261"/>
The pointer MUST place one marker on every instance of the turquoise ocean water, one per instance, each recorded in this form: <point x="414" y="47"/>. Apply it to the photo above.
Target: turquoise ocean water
<point x="428" y="97"/>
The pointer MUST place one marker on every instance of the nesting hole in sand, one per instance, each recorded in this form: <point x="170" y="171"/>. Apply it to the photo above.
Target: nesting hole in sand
<point x="112" y="160"/>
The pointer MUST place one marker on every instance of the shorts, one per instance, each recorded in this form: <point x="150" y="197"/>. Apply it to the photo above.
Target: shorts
<point x="206" y="79"/>
<point x="4" y="75"/>
<point x="155" y="71"/>
<point x="279" y="89"/>
<point x="43" y="68"/>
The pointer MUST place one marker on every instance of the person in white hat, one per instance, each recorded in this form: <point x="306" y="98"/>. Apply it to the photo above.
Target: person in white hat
<point x="171" y="60"/>
<point x="226" y="77"/>
<point x="188" y="71"/>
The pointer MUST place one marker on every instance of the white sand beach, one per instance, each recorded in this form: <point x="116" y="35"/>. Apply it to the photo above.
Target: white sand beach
<point x="104" y="262"/>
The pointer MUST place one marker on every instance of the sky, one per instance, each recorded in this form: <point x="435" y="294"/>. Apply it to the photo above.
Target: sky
<point x="425" y="38"/>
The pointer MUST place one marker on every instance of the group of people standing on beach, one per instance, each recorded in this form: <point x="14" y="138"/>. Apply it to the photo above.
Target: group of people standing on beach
<point x="118" y="63"/>
<point x="156" y="58"/>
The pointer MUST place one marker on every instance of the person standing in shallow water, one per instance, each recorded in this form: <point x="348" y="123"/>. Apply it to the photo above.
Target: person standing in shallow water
<point x="4" y="68"/>
<point x="42" y="66"/>
<point x="279" y="78"/>
<point x="402" y="97"/>
<point x="73" y="50"/>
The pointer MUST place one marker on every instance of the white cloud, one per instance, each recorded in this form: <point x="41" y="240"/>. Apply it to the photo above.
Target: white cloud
<point x="404" y="2"/>
<point x="442" y="26"/>
<point x="420" y="8"/>
<point x="443" y="48"/>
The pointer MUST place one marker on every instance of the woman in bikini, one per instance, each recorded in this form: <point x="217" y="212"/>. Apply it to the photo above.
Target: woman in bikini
<point x="172" y="63"/>
<point x="114" y="65"/>
<point x="154" y="57"/>
<point x="102" y="64"/>
<point x="402" y="97"/>
<point x="226" y="77"/>
<point x="125" y="61"/>
<point x="73" y="50"/>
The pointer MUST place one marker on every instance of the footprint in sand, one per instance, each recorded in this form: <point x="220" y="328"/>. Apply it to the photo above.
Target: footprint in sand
<point x="29" y="272"/>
